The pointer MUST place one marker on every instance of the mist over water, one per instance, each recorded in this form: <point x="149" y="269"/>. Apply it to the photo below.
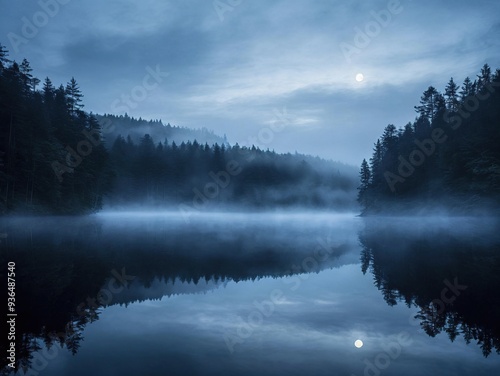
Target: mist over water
<point x="340" y="278"/>
<point x="247" y="188"/>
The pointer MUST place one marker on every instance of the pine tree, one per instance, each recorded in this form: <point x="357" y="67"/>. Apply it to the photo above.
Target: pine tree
<point x="74" y="96"/>
<point x="440" y="110"/>
<point x="486" y="73"/>
<point x="496" y="75"/>
<point x="428" y="103"/>
<point x="389" y="138"/>
<point x="485" y="78"/>
<point x="365" y="178"/>
<point x="451" y="94"/>
<point x="376" y="163"/>
<point x="29" y="81"/>
<point x="467" y="89"/>
<point x="48" y="90"/>
<point x="3" y="57"/>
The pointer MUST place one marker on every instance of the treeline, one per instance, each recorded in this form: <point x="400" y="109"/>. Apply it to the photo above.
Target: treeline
<point x="448" y="157"/>
<point x="201" y="176"/>
<point x="126" y="125"/>
<point x="58" y="159"/>
<point x="40" y="133"/>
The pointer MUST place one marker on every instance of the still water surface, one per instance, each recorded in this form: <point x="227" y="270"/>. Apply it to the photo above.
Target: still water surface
<point x="255" y="294"/>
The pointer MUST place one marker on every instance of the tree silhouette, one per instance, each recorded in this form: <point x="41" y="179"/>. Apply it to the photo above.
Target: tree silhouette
<point x="468" y="89"/>
<point x="451" y="94"/>
<point x="365" y="177"/>
<point x="37" y="128"/>
<point x="484" y="78"/>
<point x="3" y="57"/>
<point x="429" y="102"/>
<point x="410" y="262"/>
<point x="446" y="158"/>
<point x="74" y="96"/>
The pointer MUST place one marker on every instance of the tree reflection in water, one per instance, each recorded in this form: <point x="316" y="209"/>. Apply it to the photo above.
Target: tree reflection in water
<point x="416" y="261"/>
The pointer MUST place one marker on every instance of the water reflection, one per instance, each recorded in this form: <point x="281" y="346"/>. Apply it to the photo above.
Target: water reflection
<point x="449" y="269"/>
<point x="70" y="269"/>
<point x="104" y="277"/>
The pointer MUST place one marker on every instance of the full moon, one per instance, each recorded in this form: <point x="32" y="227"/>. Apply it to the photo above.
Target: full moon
<point x="358" y="344"/>
<point x="359" y="78"/>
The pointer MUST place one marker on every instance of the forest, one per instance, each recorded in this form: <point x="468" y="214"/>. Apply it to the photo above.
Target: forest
<point x="448" y="158"/>
<point x="59" y="159"/>
<point x="39" y="131"/>
<point x="202" y="176"/>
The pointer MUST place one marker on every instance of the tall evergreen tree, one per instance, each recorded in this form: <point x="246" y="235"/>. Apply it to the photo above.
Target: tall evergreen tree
<point x="428" y="103"/>
<point x="451" y="94"/>
<point x="4" y="61"/>
<point x="365" y="178"/>
<point x="484" y="78"/>
<point x="389" y="138"/>
<point x="74" y="96"/>
<point x="29" y="81"/>
<point x="376" y="163"/>
<point x="48" y="90"/>
<point x="467" y="89"/>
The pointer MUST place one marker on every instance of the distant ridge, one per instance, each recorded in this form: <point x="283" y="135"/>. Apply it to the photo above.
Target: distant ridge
<point x="125" y="125"/>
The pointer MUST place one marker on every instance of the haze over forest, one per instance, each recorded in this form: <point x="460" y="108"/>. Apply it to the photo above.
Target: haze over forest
<point x="61" y="159"/>
<point x="208" y="84"/>
<point x="250" y="187"/>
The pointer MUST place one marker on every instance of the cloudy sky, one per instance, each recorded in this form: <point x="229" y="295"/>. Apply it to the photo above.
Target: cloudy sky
<point x="278" y="73"/>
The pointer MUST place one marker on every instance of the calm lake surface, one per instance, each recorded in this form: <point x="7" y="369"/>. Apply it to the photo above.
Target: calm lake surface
<point x="254" y="294"/>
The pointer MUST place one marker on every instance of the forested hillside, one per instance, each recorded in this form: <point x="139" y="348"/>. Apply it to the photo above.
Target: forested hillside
<point x="58" y="159"/>
<point x="202" y="176"/>
<point x="125" y="126"/>
<point x="449" y="157"/>
<point x="51" y="161"/>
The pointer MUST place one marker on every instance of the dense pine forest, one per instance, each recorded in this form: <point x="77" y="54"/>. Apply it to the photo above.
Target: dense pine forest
<point x="43" y="135"/>
<point x="447" y="158"/>
<point x="202" y="176"/>
<point x="56" y="158"/>
<point x="59" y="159"/>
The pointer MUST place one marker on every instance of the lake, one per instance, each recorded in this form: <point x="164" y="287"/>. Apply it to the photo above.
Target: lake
<point x="138" y="293"/>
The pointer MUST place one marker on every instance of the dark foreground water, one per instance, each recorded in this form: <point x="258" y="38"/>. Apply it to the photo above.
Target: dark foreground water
<point x="253" y="294"/>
